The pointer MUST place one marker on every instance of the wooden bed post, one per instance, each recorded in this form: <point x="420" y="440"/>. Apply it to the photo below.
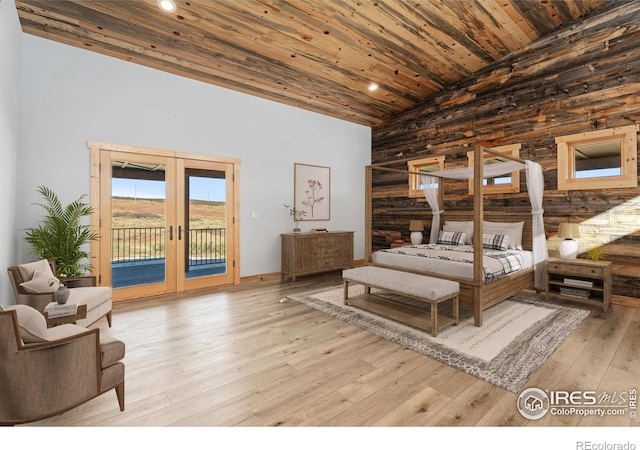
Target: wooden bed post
<point x="478" y="217"/>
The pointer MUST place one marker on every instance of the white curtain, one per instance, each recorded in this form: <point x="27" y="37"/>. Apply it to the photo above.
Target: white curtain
<point x="535" y="186"/>
<point x="430" y="187"/>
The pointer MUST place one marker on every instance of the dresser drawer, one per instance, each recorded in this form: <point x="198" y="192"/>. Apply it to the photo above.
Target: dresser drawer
<point x="326" y="264"/>
<point x="325" y="242"/>
<point x="326" y="252"/>
<point x="576" y="270"/>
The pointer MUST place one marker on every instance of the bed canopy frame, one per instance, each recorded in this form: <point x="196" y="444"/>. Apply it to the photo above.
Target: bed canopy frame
<point x="475" y="294"/>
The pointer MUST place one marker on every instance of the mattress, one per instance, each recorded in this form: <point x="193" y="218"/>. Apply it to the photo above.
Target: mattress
<point x="454" y="260"/>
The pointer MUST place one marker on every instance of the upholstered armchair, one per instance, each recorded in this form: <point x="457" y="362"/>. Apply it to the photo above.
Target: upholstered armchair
<point x="47" y="371"/>
<point x="30" y="284"/>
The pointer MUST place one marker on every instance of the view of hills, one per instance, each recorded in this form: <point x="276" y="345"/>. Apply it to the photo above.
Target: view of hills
<point x="130" y="212"/>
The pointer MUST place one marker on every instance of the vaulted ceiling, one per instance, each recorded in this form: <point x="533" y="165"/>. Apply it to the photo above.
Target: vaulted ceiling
<point x="320" y="55"/>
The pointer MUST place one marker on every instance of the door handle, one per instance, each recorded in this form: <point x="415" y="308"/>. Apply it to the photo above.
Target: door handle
<point x="179" y="232"/>
<point x="171" y="233"/>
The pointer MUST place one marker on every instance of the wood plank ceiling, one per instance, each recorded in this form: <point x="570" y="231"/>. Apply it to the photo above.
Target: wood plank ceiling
<point x="319" y="55"/>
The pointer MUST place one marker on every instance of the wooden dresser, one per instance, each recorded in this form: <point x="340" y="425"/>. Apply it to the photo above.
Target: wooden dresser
<point x="315" y="252"/>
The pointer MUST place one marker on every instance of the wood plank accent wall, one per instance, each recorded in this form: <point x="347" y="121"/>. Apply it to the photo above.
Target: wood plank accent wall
<point x="582" y="78"/>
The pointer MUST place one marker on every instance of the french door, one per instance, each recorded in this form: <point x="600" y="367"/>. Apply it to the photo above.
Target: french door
<point x="166" y="221"/>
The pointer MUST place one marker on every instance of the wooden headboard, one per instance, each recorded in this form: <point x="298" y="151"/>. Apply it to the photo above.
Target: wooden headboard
<point x="497" y="216"/>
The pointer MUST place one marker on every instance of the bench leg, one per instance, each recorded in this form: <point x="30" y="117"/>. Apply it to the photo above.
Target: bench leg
<point x="434" y="319"/>
<point x="346" y="292"/>
<point x="456" y="310"/>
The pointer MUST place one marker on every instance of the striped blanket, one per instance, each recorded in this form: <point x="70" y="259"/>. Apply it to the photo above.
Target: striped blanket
<point x="496" y="263"/>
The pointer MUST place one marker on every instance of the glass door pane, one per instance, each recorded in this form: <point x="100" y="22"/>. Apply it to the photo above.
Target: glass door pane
<point x="206" y="223"/>
<point x="204" y="231"/>
<point x="138" y="217"/>
<point x="139" y="224"/>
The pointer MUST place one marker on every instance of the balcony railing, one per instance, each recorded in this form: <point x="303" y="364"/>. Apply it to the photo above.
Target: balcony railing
<point x="205" y="245"/>
<point x="137" y="244"/>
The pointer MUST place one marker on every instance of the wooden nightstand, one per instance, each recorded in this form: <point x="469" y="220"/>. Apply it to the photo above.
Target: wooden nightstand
<point x="580" y="280"/>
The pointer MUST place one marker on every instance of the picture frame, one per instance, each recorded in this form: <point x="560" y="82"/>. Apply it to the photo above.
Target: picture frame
<point x="312" y="191"/>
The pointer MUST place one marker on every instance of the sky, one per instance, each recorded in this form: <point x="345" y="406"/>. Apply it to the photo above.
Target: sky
<point x="210" y="189"/>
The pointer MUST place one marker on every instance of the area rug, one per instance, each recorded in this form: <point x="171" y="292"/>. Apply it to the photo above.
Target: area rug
<point x="517" y="336"/>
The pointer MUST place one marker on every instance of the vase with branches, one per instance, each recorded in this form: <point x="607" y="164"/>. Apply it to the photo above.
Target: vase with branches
<point x="61" y="236"/>
<point x="297" y="215"/>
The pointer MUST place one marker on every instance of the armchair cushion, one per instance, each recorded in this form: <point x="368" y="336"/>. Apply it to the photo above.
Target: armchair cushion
<point x="111" y="349"/>
<point x="33" y="325"/>
<point x="90" y="296"/>
<point x="64" y="331"/>
<point x="27" y="270"/>
<point x="41" y="282"/>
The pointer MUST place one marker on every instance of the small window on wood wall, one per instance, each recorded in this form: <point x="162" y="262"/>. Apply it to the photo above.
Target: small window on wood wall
<point x="425" y="165"/>
<point x="507" y="183"/>
<point x="598" y="159"/>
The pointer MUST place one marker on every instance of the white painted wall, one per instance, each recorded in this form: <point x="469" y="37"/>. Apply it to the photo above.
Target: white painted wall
<point x="71" y="96"/>
<point x="10" y="39"/>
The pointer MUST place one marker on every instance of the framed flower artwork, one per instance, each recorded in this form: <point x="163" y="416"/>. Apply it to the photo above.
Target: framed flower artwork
<point x="312" y="191"/>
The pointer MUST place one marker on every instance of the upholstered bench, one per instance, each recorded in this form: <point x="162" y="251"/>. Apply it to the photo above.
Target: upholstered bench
<point x="415" y="286"/>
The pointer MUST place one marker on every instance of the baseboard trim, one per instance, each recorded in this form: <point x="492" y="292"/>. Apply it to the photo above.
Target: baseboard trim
<point x="621" y="300"/>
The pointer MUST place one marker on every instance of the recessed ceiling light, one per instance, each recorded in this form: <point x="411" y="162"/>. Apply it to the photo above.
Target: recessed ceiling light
<point x="373" y="87"/>
<point x="167" y="5"/>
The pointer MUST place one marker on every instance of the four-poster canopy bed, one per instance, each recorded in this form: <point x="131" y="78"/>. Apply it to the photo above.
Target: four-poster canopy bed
<point x="476" y="292"/>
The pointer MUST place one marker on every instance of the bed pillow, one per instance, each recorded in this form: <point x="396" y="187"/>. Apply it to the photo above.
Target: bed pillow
<point x="462" y="226"/>
<point x="452" y="238"/>
<point x="495" y="241"/>
<point x="511" y="229"/>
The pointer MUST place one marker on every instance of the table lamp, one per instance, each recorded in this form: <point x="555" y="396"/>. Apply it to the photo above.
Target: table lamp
<point x="416" y="227"/>
<point x="569" y="247"/>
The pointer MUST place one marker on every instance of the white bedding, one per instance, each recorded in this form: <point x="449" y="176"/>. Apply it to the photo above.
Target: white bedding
<point x="454" y="261"/>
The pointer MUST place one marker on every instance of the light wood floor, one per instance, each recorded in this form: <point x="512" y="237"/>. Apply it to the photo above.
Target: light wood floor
<point x="242" y="358"/>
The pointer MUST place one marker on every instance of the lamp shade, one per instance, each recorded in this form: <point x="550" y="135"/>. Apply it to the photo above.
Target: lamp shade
<point x="569" y="231"/>
<point x="416" y="225"/>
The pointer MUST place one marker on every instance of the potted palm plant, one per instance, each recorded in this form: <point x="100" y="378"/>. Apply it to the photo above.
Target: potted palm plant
<point x="61" y="236"/>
